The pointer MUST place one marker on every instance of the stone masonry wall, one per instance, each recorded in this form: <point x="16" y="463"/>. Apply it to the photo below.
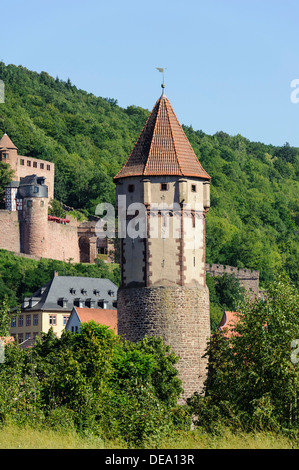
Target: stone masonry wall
<point x="248" y="278"/>
<point x="62" y="242"/>
<point x="180" y="316"/>
<point x="9" y="231"/>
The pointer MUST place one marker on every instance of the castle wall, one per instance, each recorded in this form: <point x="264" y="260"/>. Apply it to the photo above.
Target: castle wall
<point x="9" y="231"/>
<point x="248" y="278"/>
<point x="179" y="315"/>
<point x="62" y="242"/>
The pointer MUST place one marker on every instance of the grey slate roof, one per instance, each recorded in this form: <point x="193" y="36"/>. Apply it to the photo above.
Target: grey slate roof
<point x="62" y="293"/>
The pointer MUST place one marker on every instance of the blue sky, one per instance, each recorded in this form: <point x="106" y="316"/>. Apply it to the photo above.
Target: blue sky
<point x="229" y="62"/>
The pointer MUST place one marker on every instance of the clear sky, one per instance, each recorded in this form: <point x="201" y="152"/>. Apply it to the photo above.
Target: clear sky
<point x="229" y="63"/>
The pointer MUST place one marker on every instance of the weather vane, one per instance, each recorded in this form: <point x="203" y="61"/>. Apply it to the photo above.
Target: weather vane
<point x="161" y="69"/>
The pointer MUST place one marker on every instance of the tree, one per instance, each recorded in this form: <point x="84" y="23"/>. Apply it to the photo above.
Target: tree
<point x="252" y="376"/>
<point x="229" y="291"/>
<point x="5" y="318"/>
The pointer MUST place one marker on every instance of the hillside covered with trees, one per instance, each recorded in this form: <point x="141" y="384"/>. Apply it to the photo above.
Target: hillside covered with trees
<point x="254" y="215"/>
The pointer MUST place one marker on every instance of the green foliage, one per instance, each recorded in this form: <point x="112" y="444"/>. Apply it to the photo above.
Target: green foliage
<point x="5" y="318"/>
<point x="94" y="383"/>
<point x="56" y="209"/>
<point x="253" y="383"/>
<point x="226" y="293"/>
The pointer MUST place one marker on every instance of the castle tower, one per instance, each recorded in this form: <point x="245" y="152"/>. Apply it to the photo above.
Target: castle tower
<point x="34" y="215"/>
<point x="163" y="290"/>
<point x="8" y="152"/>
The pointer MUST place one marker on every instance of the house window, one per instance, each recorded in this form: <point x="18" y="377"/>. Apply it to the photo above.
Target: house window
<point x="35" y="319"/>
<point x="164" y="186"/>
<point x="65" y="319"/>
<point x="52" y="319"/>
<point x="28" y="336"/>
<point x="21" y="320"/>
<point x="34" y="164"/>
<point x="28" y="320"/>
<point x="193" y="188"/>
<point x="13" y="322"/>
<point x="28" y="163"/>
<point x="41" y="166"/>
<point x="22" y="161"/>
<point x="48" y="167"/>
<point x="20" y="338"/>
<point x="131" y="188"/>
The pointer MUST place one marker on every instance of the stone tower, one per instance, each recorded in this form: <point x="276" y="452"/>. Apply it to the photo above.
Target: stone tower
<point x="33" y="193"/>
<point x="163" y="289"/>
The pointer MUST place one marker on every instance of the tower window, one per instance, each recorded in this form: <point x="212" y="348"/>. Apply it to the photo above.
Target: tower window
<point x="193" y="188"/>
<point x="5" y="156"/>
<point x="36" y="189"/>
<point x="42" y="203"/>
<point x="131" y="188"/>
<point x="164" y="186"/>
<point x="29" y="203"/>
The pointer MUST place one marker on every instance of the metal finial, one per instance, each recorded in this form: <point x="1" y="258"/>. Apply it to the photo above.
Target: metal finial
<point x="161" y="69"/>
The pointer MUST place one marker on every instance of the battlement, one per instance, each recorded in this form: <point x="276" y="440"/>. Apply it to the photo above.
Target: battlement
<point x="247" y="277"/>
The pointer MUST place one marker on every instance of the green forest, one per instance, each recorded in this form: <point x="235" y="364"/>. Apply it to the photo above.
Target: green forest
<point x="253" y="220"/>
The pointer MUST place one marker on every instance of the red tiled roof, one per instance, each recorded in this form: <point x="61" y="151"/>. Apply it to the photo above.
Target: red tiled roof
<point x="6" y="339"/>
<point x="5" y="142"/>
<point x="228" y="322"/>
<point x="162" y="148"/>
<point x="100" y="315"/>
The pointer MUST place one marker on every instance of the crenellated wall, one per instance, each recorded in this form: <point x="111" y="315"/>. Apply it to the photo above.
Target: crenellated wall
<point x="248" y="278"/>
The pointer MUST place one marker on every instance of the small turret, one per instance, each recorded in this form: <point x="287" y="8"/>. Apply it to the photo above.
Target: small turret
<point x="34" y="219"/>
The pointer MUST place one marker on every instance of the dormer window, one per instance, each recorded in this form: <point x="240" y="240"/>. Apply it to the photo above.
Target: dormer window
<point x="103" y="304"/>
<point x="62" y="302"/>
<point x="73" y="291"/>
<point x="79" y="303"/>
<point x="111" y="292"/>
<point x="83" y="292"/>
<point x="96" y="292"/>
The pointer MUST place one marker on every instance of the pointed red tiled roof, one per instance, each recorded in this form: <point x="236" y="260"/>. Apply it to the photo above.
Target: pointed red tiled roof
<point x="5" y="142"/>
<point x="162" y="148"/>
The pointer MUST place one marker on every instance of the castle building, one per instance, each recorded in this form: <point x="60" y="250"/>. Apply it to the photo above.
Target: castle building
<point x="25" y="166"/>
<point x="163" y="284"/>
